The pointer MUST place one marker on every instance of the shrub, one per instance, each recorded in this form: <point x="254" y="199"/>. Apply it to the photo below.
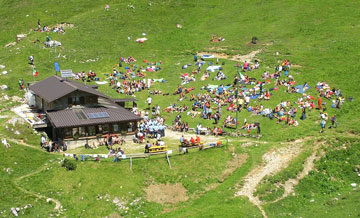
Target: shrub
<point x="69" y="165"/>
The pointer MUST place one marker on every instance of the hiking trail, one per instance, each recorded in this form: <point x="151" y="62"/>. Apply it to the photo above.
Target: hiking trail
<point x="274" y="161"/>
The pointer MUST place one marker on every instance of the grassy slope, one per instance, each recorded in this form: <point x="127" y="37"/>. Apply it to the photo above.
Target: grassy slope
<point x="320" y="36"/>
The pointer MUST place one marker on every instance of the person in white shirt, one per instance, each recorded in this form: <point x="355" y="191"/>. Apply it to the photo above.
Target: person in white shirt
<point x="247" y="100"/>
<point x="149" y="100"/>
<point x="43" y="141"/>
<point x="157" y="110"/>
<point x="198" y="129"/>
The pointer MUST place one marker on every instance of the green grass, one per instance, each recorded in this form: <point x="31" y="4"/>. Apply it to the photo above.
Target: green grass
<point x="332" y="178"/>
<point x="271" y="187"/>
<point x="320" y="36"/>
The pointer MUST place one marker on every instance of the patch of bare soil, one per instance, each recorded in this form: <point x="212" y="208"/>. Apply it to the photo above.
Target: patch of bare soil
<point x="166" y="193"/>
<point x="295" y="65"/>
<point x="308" y="166"/>
<point x="247" y="57"/>
<point x="232" y="165"/>
<point x="274" y="161"/>
<point x="242" y="58"/>
<point x="66" y="25"/>
<point x="216" y="54"/>
<point x="217" y="48"/>
<point x="114" y="215"/>
<point x="291" y="183"/>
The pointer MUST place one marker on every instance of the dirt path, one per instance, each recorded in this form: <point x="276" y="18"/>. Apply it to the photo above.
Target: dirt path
<point x="20" y="143"/>
<point x="291" y="183"/>
<point x="242" y="58"/>
<point x="274" y="161"/>
<point x="308" y="166"/>
<point x="17" y="180"/>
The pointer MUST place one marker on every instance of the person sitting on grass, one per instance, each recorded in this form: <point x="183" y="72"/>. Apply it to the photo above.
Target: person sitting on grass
<point x="178" y="90"/>
<point x="5" y="143"/>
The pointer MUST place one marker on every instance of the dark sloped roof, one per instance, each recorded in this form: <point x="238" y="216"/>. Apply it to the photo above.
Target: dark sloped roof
<point x="55" y="87"/>
<point x="123" y="99"/>
<point x="68" y="117"/>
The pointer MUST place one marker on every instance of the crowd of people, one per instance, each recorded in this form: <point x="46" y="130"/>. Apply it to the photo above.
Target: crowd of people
<point x="56" y="29"/>
<point x="150" y="128"/>
<point x="238" y="96"/>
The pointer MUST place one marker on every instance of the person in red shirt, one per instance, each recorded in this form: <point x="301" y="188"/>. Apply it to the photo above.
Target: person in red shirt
<point x="312" y="105"/>
<point x="192" y="140"/>
<point x="197" y="139"/>
<point x="319" y="102"/>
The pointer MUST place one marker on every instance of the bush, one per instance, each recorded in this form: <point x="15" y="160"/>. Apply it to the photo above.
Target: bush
<point x="69" y="165"/>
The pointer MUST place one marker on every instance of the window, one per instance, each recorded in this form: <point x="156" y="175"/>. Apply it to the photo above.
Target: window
<point x="130" y="127"/>
<point x="115" y="128"/>
<point x="105" y="128"/>
<point x="75" y="132"/>
<point x="76" y="100"/>
<point x="48" y="105"/>
<point x="82" y="100"/>
<point x="91" y="100"/>
<point x="82" y="131"/>
<point x="123" y="126"/>
<point x="91" y="130"/>
<point x="67" y="133"/>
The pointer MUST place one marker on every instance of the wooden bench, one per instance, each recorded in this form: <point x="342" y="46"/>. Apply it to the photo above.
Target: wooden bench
<point x="188" y="145"/>
<point x="155" y="149"/>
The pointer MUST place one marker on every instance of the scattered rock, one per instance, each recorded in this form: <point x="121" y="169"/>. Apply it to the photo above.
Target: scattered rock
<point x="16" y="98"/>
<point x="4" y="72"/>
<point x="353" y="184"/>
<point x="2" y="66"/>
<point x="51" y="44"/>
<point x="20" y="37"/>
<point x="4" y="87"/>
<point x="10" y="44"/>
<point x="14" y="212"/>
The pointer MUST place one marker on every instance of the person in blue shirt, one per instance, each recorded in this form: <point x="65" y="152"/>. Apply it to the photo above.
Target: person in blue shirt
<point x="147" y="146"/>
<point x="182" y="140"/>
<point x="220" y="90"/>
<point x="151" y="130"/>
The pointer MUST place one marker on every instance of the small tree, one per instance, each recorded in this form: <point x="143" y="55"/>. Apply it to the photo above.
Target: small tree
<point x="69" y="165"/>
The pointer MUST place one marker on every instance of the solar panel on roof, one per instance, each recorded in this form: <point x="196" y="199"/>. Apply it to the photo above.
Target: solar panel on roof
<point x="98" y="115"/>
